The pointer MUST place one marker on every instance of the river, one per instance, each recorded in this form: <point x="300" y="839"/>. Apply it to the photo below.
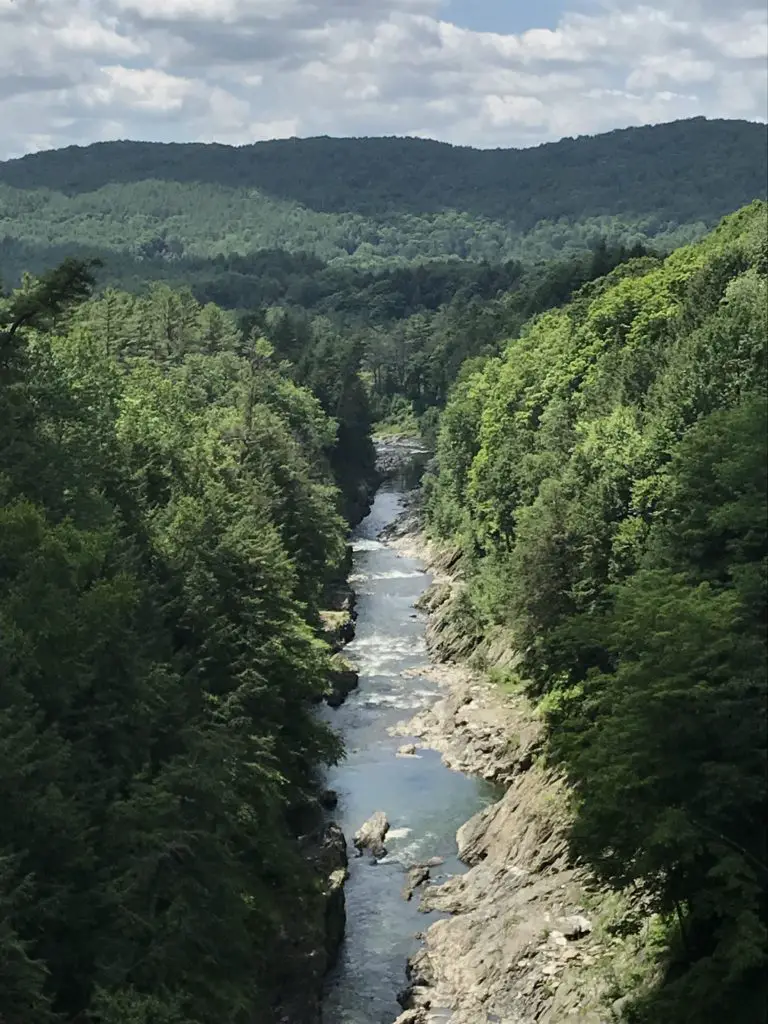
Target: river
<point x="424" y="801"/>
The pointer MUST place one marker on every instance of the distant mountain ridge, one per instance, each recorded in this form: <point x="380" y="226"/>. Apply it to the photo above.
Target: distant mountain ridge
<point x="380" y="176"/>
<point x="378" y="201"/>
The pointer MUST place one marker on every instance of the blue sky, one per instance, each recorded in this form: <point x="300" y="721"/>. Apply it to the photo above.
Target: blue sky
<point x="472" y="72"/>
<point x="507" y="15"/>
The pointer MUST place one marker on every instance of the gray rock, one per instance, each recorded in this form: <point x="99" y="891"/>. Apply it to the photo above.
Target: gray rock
<point x="407" y="750"/>
<point x="335" y="915"/>
<point x="370" y="835"/>
<point x="619" y="1006"/>
<point x="574" y="927"/>
<point x="417" y="876"/>
<point x="416" y="1016"/>
<point x="343" y="680"/>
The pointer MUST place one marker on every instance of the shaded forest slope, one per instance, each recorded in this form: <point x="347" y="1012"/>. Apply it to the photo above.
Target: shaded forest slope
<point x="378" y="200"/>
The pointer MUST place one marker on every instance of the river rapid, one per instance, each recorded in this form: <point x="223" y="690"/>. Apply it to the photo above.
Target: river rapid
<point x="425" y="801"/>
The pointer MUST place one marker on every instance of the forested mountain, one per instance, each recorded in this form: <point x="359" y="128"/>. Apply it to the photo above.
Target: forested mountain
<point x="605" y="477"/>
<point x="176" y="480"/>
<point x="628" y="170"/>
<point x="374" y="201"/>
<point x="168" y="525"/>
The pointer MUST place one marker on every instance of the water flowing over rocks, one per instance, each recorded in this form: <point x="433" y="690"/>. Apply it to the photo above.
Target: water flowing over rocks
<point x="417" y="875"/>
<point x="407" y="750"/>
<point x="520" y="946"/>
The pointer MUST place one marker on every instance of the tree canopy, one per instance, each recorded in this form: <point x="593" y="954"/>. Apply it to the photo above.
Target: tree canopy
<point x="373" y="202"/>
<point x="606" y="476"/>
<point x="168" y="523"/>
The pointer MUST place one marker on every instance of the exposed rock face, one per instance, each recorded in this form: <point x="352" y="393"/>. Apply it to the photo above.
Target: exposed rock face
<point x="519" y="940"/>
<point x="417" y="1016"/>
<point x="395" y="452"/>
<point x="474" y="730"/>
<point x="337" y="628"/>
<point x="343" y="680"/>
<point x="417" y="875"/>
<point x="342" y="598"/>
<point x="332" y="862"/>
<point x="370" y="836"/>
<point x="310" y="948"/>
<point x="337" y="620"/>
<point x="358" y="504"/>
<point x="520" y="946"/>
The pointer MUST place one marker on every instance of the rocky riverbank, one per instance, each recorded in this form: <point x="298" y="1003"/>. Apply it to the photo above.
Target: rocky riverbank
<point x="394" y="452"/>
<point x="312" y="947"/>
<point x="531" y="938"/>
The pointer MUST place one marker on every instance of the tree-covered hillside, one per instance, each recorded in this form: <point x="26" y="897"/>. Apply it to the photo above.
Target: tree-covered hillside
<point x="625" y="171"/>
<point x="173" y="486"/>
<point x="168" y="524"/>
<point x="606" y="477"/>
<point x="378" y="200"/>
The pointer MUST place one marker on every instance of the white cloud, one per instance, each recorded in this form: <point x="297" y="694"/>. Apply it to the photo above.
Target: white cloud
<point x="241" y="70"/>
<point x="745" y="38"/>
<point x="652" y="70"/>
<point x="140" y="89"/>
<point x="502" y="111"/>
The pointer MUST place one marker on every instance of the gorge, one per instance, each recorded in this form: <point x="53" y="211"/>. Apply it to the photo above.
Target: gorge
<point x="538" y="753"/>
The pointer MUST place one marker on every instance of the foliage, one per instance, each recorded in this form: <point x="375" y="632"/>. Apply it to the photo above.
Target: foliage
<point x="219" y="213"/>
<point x="168" y="521"/>
<point x="607" y="479"/>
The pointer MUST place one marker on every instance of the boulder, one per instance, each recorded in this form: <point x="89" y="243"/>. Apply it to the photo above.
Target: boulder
<point x="407" y="750"/>
<point x="335" y="915"/>
<point x="417" y="876"/>
<point x="574" y="927"/>
<point x="433" y="862"/>
<point x="337" y="627"/>
<point x="417" y="1016"/>
<point x="370" y="836"/>
<point x="343" y="680"/>
<point x="332" y="852"/>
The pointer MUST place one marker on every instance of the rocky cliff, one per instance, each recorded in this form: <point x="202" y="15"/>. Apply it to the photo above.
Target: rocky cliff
<point x="531" y="938"/>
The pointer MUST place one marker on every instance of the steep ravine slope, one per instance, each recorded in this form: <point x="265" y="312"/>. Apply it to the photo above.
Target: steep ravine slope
<point x="531" y="937"/>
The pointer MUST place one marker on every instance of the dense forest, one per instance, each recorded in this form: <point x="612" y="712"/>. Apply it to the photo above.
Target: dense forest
<point x="164" y="209"/>
<point x="623" y="171"/>
<point x="169" y="522"/>
<point x="186" y="408"/>
<point x="605" y="477"/>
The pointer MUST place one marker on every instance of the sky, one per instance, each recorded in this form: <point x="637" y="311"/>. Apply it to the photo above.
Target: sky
<point x="472" y="72"/>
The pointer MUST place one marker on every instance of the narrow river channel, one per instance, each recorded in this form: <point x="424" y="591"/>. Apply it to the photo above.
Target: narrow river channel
<point x="424" y="801"/>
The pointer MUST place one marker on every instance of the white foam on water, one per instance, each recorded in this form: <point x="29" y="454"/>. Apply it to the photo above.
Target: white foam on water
<point x="379" y="663"/>
<point x="399" y="701"/>
<point x="399" y="833"/>
<point x="389" y="646"/>
<point x="367" y="545"/>
<point x="371" y="667"/>
<point x="412" y="852"/>
<point x="396" y="574"/>
<point x="381" y="660"/>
